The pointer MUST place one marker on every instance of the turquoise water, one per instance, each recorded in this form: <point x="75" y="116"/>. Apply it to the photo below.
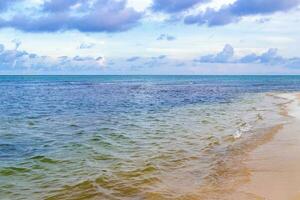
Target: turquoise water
<point x="126" y="137"/>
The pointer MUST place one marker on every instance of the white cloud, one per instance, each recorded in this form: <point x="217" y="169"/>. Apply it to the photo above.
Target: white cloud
<point x="139" y="5"/>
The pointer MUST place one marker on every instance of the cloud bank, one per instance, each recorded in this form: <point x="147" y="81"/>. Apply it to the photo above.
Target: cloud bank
<point x="81" y="15"/>
<point x="226" y="55"/>
<point x="16" y="61"/>
<point x="270" y="57"/>
<point x="241" y="8"/>
<point x="116" y="16"/>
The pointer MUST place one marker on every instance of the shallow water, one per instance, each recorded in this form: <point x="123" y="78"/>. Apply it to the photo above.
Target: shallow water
<point x="127" y="137"/>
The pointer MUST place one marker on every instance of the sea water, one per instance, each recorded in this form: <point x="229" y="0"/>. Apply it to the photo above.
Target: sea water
<point x="127" y="137"/>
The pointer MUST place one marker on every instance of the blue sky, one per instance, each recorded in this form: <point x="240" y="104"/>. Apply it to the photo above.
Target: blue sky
<point x="149" y="37"/>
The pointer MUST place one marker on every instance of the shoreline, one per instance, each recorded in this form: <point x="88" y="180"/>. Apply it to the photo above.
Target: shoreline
<point x="274" y="167"/>
<point x="261" y="167"/>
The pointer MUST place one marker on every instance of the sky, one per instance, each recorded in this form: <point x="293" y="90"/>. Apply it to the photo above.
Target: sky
<point x="168" y="37"/>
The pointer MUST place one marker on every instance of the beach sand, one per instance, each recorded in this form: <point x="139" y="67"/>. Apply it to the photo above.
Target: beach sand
<point x="275" y="166"/>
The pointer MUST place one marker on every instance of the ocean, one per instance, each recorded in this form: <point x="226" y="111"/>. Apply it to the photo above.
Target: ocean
<point x="130" y="137"/>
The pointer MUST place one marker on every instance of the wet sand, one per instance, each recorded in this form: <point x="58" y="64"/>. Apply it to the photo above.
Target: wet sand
<point x="274" y="167"/>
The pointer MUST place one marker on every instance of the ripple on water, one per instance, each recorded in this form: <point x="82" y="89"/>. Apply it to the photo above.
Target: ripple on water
<point x="121" y="184"/>
<point x="12" y="171"/>
<point x="44" y="159"/>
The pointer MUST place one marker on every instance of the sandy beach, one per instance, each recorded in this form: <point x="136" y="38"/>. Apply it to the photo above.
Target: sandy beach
<point x="275" y="166"/>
